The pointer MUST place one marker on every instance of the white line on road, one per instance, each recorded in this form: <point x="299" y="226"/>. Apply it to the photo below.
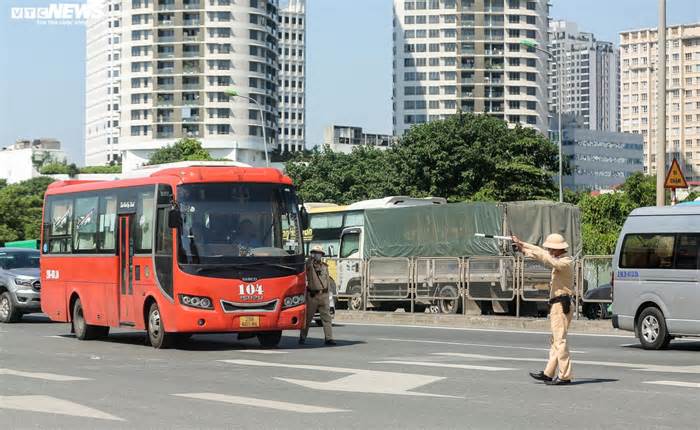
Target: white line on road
<point x="634" y="366"/>
<point x="437" y="342"/>
<point x="489" y="330"/>
<point x="359" y="380"/>
<point x="262" y="351"/>
<point x="262" y="403"/>
<point x="52" y="405"/>
<point x="447" y="365"/>
<point x="675" y="383"/>
<point x="44" y="376"/>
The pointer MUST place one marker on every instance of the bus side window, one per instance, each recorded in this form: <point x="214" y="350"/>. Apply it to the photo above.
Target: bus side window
<point x="61" y="226"/>
<point x="85" y="231"/>
<point x="144" y="222"/>
<point x="107" y="235"/>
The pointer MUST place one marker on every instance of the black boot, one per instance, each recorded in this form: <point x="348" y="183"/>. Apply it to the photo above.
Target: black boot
<point x="540" y="376"/>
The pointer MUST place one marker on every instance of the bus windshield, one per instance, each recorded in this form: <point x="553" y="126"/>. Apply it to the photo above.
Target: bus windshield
<point x="230" y="223"/>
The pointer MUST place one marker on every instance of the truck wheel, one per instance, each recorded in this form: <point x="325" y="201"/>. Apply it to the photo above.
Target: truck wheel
<point x="449" y="305"/>
<point x="355" y="300"/>
<point x="270" y="339"/>
<point x="651" y="327"/>
<point x="159" y="338"/>
<point x="8" y="312"/>
<point x="83" y="330"/>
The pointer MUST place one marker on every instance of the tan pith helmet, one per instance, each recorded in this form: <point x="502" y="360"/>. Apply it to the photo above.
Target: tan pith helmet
<point x="318" y="249"/>
<point x="555" y="241"/>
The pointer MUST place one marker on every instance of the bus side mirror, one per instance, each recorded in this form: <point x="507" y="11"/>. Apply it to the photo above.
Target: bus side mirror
<point x="304" y="216"/>
<point x="174" y="220"/>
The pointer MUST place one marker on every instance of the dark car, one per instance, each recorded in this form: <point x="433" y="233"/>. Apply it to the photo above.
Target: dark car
<point x="597" y="310"/>
<point x="20" y="283"/>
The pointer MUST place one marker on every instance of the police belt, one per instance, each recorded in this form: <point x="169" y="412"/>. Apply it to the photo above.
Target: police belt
<point x="313" y="293"/>
<point x="565" y="301"/>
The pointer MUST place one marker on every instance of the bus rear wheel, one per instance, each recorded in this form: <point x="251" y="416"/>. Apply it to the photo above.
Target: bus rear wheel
<point x="270" y="339"/>
<point x="159" y="338"/>
<point x="83" y="330"/>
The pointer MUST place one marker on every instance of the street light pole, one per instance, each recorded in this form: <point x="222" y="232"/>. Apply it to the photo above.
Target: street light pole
<point x="661" y="109"/>
<point x="234" y="93"/>
<point x="533" y="44"/>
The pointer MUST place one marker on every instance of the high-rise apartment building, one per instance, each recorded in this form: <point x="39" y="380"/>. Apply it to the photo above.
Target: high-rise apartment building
<point x="638" y="53"/>
<point x="292" y="76"/>
<point x="157" y="71"/>
<point x="466" y="55"/>
<point x="589" y="71"/>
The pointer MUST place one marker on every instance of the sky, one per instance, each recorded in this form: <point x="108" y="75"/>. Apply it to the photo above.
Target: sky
<point x="349" y="56"/>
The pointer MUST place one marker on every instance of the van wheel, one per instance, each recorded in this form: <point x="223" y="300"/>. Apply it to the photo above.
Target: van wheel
<point x="82" y="329"/>
<point x="159" y="338"/>
<point x="270" y="339"/>
<point x="651" y="327"/>
<point x="8" y="312"/>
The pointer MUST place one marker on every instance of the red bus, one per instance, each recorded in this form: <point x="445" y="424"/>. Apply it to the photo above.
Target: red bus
<point x="195" y="249"/>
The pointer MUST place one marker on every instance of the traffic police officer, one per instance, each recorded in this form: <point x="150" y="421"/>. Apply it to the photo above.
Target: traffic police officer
<point x="317" y="294"/>
<point x="561" y="295"/>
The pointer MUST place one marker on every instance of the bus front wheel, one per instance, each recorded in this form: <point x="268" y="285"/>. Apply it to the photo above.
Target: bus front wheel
<point x="82" y="329"/>
<point x="270" y="339"/>
<point x="159" y="338"/>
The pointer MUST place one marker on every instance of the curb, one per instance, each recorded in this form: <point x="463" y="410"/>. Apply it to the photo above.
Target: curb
<point x="473" y="322"/>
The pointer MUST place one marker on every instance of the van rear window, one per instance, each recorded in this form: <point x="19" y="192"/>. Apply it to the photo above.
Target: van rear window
<point x="660" y="251"/>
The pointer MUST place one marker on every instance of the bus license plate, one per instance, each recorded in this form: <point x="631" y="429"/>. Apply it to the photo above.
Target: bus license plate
<point x="250" y="322"/>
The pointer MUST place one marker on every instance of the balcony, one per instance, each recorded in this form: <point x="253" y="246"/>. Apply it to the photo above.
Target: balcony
<point x="166" y="39"/>
<point x="165" y="87"/>
<point x="191" y="22"/>
<point x="167" y="54"/>
<point x="164" y="134"/>
<point x="165" y="22"/>
<point x="164" y="102"/>
<point x="165" y="119"/>
<point x="193" y="5"/>
<point x="198" y="86"/>
<point x="193" y="38"/>
<point x="166" y="6"/>
<point x="191" y="54"/>
<point x="190" y="70"/>
<point x="194" y="118"/>
<point x="165" y="71"/>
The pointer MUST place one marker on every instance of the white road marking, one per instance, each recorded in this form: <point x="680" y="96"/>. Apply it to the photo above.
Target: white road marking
<point x="52" y="405"/>
<point x="675" y="383"/>
<point x="56" y="336"/>
<point x="447" y="365"/>
<point x="359" y="380"/>
<point x="44" y="376"/>
<point x="262" y="351"/>
<point x="262" y="403"/>
<point x="437" y="342"/>
<point x="634" y="366"/>
<point x="488" y="330"/>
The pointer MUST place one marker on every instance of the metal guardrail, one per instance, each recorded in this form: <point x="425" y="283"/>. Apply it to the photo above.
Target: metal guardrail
<point x="445" y="282"/>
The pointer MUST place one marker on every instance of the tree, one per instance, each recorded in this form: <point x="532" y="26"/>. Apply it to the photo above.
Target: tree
<point x="117" y="168"/>
<point x="185" y="149"/>
<point x="328" y="176"/>
<point x="466" y="157"/>
<point x="602" y="216"/>
<point x="20" y="209"/>
<point x="60" y="168"/>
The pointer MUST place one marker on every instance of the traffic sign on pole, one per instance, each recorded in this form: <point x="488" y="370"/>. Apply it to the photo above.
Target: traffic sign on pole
<point x="675" y="178"/>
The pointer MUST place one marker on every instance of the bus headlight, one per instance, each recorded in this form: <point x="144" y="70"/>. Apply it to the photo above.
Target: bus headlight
<point x="292" y="301"/>
<point x="196" y="302"/>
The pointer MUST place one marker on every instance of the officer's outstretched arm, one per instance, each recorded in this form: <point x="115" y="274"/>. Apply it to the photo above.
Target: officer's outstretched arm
<point x="543" y="256"/>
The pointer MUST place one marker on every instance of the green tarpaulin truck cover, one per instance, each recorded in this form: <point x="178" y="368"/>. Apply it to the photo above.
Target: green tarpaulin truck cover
<point x="448" y="230"/>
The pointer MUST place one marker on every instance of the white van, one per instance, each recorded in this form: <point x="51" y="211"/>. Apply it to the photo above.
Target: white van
<point x="656" y="290"/>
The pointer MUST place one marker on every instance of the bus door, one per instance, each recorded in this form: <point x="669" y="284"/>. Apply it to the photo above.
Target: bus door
<point x="127" y="315"/>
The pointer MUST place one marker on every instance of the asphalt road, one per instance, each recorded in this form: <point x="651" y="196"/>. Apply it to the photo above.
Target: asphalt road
<point x="377" y="377"/>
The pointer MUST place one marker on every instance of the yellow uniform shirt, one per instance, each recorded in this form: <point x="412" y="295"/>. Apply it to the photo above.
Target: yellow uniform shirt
<point x="562" y="270"/>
